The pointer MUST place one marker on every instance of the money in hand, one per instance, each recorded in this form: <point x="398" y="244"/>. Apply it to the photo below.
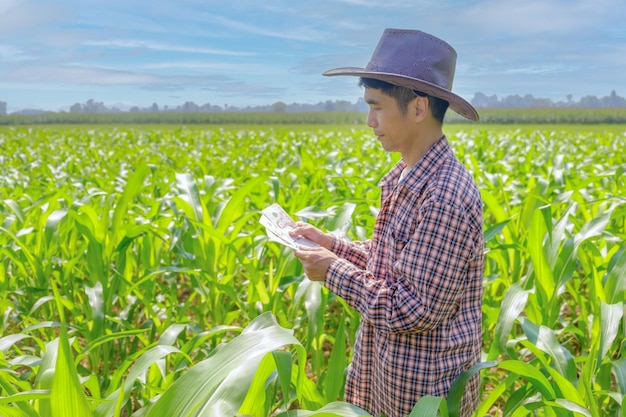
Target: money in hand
<point x="278" y="224"/>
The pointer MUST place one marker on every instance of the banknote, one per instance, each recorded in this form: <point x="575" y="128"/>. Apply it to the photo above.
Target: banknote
<point x="278" y="223"/>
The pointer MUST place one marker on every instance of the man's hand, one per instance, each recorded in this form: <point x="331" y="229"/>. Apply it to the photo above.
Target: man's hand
<point x="315" y="261"/>
<point x="313" y="234"/>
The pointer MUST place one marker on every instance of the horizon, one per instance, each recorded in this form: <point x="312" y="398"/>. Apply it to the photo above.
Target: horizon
<point x="539" y="102"/>
<point x="248" y="54"/>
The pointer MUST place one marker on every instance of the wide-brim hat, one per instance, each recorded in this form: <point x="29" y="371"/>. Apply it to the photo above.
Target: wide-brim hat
<point x="415" y="60"/>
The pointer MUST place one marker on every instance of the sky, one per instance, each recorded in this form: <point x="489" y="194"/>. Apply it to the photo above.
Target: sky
<point x="251" y="52"/>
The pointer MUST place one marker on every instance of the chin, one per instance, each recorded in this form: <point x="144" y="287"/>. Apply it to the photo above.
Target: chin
<point x="387" y="147"/>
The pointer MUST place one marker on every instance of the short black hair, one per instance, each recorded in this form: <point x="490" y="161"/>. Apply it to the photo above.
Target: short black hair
<point x="404" y="96"/>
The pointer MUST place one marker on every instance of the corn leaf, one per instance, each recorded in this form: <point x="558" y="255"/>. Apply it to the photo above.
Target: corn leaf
<point x="217" y="385"/>
<point x="512" y="305"/>
<point x="548" y="406"/>
<point x="6" y="411"/>
<point x="67" y="397"/>
<point x="234" y="208"/>
<point x="532" y="374"/>
<point x="334" y="409"/>
<point x="615" y="282"/>
<point x="335" y="376"/>
<point x="594" y="228"/>
<point x="132" y="188"/>
<point x="341" y="220"/>
<point x="7" y="341"/>
<point x="429" y="406"/>
<point x="188" y="191"/>
<point x="619" y="368"/>
<point x="535" y="245"/>
<point x="611" y="318"/>
<point x="545" y="339"/>
<point x="284" y="367"/>
<point x="150" y="357"/>
<point x="254" y="404"/>
<point x="457" y="388"/>
<point x="564" y="387"/>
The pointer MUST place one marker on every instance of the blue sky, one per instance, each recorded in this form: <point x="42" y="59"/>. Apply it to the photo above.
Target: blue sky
<point x="243" y="52"/>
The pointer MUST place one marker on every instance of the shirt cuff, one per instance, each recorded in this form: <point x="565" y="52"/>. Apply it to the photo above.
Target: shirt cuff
<point x="337" y="278"/>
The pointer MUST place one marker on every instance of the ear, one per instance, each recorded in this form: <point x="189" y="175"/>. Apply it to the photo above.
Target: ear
<point x="420" y="108"/>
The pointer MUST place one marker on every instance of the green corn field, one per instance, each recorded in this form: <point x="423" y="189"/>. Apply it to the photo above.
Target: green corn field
<point x="136" y="280"/>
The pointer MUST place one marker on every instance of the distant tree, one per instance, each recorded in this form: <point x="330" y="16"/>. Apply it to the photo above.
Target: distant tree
<point x="205" y="108"/>
<point x="614" y="100"/>
<point x="343" y="106"/>
<point x="279" y="107"/>
<point x="543" y="103"/>
<point x="481" y="100"/>
<point x="92" y="106"/>
<point x="361" y="105"/>
<point x="589" y="101"/>
<point x="189" y="107"/>
<point x="3" y="108"/>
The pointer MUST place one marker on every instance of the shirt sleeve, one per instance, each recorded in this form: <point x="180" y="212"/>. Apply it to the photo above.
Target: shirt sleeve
<point x="354" y="252"/>
<point x="423" y="286"/>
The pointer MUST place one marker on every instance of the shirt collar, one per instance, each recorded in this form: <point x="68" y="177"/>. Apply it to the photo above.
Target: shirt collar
<point x="421" y="171"/>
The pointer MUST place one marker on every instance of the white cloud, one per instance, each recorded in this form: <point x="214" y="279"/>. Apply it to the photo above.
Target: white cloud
<point x="79" y="74"/>
<point x="97" y="76"/>
<point x="20" y="17"/>
<point x="531" y="17"/>
<point x="216" y="66"/>
<point x="298" y="32"/>
<point x="138" y="44"/>
<point x="9" y="53"/>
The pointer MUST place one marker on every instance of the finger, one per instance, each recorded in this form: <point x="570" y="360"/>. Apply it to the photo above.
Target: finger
<point x="298" y="229"/>
<point x="302" y="252"/>
<point x="301" y="225"/>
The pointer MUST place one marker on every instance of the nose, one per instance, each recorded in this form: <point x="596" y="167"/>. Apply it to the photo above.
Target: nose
<point x="371" y="120"/>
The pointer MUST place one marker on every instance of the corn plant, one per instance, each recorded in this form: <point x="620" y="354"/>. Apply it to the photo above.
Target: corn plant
<point x="135" y="278"/>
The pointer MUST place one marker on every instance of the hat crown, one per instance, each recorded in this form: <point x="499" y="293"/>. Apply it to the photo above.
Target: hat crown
<point x="414" y="54"/>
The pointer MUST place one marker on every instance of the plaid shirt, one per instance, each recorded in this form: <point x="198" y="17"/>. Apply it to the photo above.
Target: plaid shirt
<point x="418" y="287"/>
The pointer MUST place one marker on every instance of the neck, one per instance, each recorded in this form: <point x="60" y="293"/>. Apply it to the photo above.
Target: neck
<point x="424" y="140"/>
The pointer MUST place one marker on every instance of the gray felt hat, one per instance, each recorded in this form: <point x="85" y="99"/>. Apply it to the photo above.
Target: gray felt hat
<point x="415" y="60"/>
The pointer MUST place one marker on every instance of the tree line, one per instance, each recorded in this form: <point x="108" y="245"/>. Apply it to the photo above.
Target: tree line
<point x="480" y="101"/>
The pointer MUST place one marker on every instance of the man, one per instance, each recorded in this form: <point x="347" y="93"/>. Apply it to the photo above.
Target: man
<point x="418" y="282"/>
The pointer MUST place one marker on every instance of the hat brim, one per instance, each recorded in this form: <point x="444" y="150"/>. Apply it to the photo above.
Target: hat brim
<point x="457" y="103"/>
